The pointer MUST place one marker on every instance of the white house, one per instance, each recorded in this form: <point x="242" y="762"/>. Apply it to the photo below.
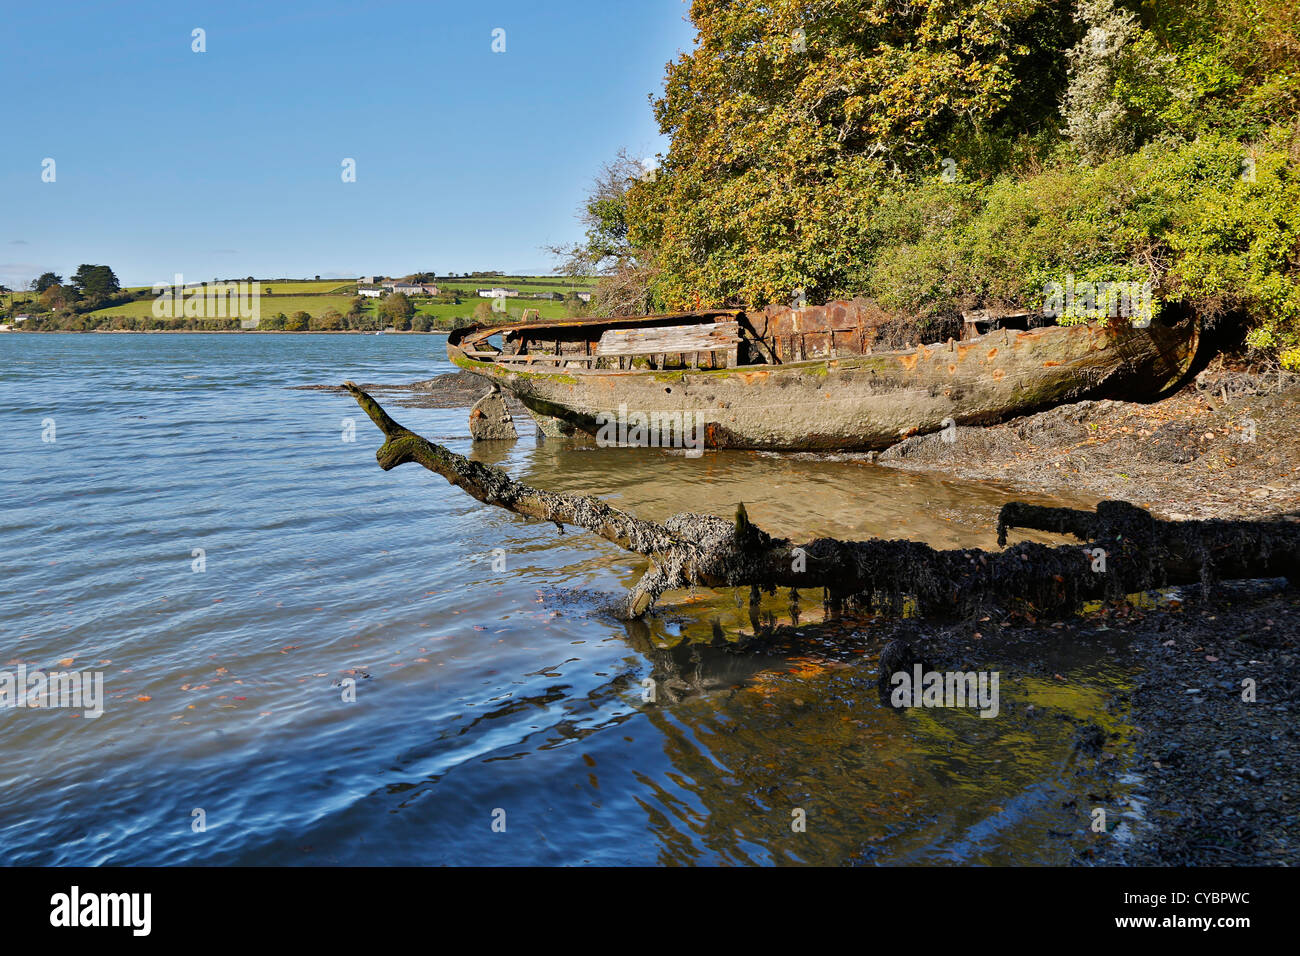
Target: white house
<point x="497" y="293"/>
<point x="371" y="293"/>
<point x="411" y="288"/>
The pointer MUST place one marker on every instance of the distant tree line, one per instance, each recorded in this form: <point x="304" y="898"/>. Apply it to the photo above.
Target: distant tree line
<point x="91" y="287"/>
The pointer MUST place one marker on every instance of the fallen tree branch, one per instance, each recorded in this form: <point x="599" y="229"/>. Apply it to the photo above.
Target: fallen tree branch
<point x="1173" y="552"/>
<point x="1127" y="550"/>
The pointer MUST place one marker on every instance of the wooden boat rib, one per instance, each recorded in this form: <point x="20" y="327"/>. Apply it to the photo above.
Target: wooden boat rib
<point x="809" y="379"/>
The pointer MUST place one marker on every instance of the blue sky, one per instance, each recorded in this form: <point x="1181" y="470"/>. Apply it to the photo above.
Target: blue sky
<point x="228" y="163"/>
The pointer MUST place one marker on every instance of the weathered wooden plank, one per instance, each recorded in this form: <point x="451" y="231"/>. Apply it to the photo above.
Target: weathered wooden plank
<point x="991" y="315"/>
<point x="713" y="336"/>
<point x="534" y="358"/>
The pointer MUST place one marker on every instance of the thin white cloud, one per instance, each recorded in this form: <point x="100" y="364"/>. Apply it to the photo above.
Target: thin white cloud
<point x="16" y="272"/>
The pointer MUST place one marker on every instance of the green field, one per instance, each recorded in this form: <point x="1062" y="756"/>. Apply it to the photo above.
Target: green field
<point x="514" y="308"/>
<point x="522" y="283"/>
<point x="288" y="286"/>
<point x="309" y="286"/>
<point x="271" y="304"/>
<point x="316" y="305"/>
<point x="16" y="297"/>
<point x="317" y="297"/>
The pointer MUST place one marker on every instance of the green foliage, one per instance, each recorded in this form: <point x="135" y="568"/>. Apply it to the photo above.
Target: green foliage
<point x="397" y="309"/>
<point x="331" y="320"/>
<point x="1235" y="236"/>
<point x="785" y="125"/>
<point x="945" y="156"/>
<point x="46" y="280"/>
<point x="1207" y="224"/>
<point x="1119" y="78"/>
<point x="95" y="282"/>
<point x="58" y="297"/>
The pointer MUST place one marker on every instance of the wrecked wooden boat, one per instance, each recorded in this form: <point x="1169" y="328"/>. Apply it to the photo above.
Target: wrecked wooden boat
<point x="809" y="379"/>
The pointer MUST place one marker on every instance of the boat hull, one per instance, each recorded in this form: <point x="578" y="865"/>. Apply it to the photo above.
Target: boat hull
<point x="864" y="402"/>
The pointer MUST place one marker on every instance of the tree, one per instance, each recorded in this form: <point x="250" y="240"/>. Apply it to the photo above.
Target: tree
<point x="397" y="309"/>
<point x="298" y="322"/>
<point x="58" y="297"/>
<point x="626" y="271"/>
<point x="329" y="321"/>
<point x="45" y="280"/>
<point x="787" y="119"/>
<point x="95" y="282"/>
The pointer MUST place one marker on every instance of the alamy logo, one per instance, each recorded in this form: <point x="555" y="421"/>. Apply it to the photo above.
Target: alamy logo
<point x="103" y="909"/>
<point x="210" y="300"/>
<point x="1093" y="300"/>
<point x="951" y="689"/>
<point x="652" y="430"/>
<point x="75" y="690"/>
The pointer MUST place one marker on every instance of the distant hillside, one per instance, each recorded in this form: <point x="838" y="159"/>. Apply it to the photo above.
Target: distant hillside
<point x="331" y="305"/>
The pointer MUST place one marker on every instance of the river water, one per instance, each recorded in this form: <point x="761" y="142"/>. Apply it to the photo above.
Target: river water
<point x="181" y="520"/>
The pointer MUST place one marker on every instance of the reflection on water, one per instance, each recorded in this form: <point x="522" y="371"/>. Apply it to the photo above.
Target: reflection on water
<point x="476" y="690"/>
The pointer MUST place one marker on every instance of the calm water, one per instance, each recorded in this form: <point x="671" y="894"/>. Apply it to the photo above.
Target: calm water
<point x="480" y="693"/>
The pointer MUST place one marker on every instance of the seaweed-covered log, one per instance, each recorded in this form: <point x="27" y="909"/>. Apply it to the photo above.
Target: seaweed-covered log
<point x="495" y="487"/>
<point x="1126" y="549"/>
<point x="1174" y="551"/>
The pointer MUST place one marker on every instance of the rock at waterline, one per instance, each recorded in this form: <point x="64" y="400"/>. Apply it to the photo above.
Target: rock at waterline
<point x="489" y="419"/>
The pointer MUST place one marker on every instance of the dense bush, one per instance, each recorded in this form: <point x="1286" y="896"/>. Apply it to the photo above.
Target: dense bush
<point x="941" y="157"/>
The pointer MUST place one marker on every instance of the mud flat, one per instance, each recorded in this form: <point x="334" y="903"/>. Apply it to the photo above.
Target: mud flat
<point x="1216" y="772"/>
<point x="1209" y="451"/>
